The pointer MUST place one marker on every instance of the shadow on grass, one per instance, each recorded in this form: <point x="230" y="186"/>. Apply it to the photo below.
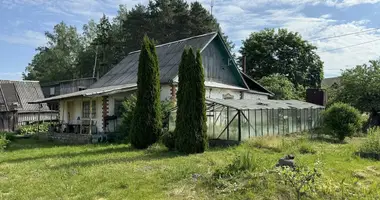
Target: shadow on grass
<point x="31" y="143"/>
<point x="326" y="139"/>
<point x="72" y="154"/>
<point x="144" y="157"/>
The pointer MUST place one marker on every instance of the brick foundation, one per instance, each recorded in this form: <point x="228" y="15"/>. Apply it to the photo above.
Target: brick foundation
<point x="105" y="104"/>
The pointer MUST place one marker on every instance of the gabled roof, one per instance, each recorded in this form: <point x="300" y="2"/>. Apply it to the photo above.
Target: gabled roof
<point x="169" y="57"/>
<point x="330" y="81"/>
<point x="19" y="93"/>
<point x="254" y="85"/>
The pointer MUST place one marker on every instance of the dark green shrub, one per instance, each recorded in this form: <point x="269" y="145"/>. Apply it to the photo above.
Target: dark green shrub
<point x="127" y="110"/>
<point x="147" y="117"/>
<point x="4" y="142"/>
<point x="372" y="143"/>
<point x="341" y="120"/>
<point x="190" y="132"/>
<point x="34" y="128"/>
<point x="168" y="140"/>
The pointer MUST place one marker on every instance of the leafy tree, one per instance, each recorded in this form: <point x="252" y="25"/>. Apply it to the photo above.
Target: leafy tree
<point x="360" y="86"/>
<point x="282" y="88"/>
<point x="341" y="120"/>
<point x="147" y="124"/>
<point x="191" y="127"/>
<point x="282" y="52"/>
<point x="57" y="60"/>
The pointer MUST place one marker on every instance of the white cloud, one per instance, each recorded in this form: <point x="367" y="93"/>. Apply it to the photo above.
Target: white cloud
<point x="30" y="38"/>
<point x="238" y="20"/>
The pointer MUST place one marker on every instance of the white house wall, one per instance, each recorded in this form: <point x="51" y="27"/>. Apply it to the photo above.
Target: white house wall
<point x="253" y="96"/>
<point x="77" y="110"/>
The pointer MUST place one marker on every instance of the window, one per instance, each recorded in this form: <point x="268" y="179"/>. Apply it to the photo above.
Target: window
<point x="52" y="91"/>
<point x="118" y="107"/>
<point x="86" y="109"/>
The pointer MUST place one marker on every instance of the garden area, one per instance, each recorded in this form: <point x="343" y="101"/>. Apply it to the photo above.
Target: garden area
<point x="32" y="169"/>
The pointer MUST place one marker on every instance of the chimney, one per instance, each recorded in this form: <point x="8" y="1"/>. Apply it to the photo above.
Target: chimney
<point x="244" y="64"/>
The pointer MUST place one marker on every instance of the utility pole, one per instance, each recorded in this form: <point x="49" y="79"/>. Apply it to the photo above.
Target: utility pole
<point x="212" y="6"/>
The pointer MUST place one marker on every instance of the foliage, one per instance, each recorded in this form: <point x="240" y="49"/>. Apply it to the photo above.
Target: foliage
<point x="282" y="88"/>
<point x="168" y="139"/>
<point x="282" y="52"/>
<point x="191" y="119"/>
<point x="4" y="142"/>
<point x="44" y="170"/>
<point x="244" y="162"/>
<point x="70" y="54"/>
<point x="34" y="128"/>
<point x="305" y="148"/>
<point x="360" y="86"/>
<point x="372" y="142"/>
<point x="127" y="110"/>
<point x="56" y="60"/>
<point x="147" y="117"/>
<point x="341" y="120"/>
<point x="302" y="179"/>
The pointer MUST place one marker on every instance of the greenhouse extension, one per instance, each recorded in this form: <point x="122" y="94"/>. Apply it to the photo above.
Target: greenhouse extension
<point x="231" y="119"/>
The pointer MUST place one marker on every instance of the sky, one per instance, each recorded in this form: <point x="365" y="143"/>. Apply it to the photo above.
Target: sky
<point x="23" y="23"/>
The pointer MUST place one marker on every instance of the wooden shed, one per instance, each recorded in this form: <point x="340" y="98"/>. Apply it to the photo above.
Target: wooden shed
<point x="14" y="108"/>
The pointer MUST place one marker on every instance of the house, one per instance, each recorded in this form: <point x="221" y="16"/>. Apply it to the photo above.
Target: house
<point x="101" y="101"/>
<point x="329" y="82"/>
<point x="14" y="108"/>
<point x="56" y="88"/>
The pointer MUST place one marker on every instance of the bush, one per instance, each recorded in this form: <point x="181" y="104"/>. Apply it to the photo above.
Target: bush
<point x="169" y="140"/>
<point x="341" y="120"/>
<point x="4" y="142"/>
<point x="127" y="111"/>
<point x="306" y="148"/>
<point x="245" y="162"/>
<point x="34" y="128"/>
<point x="372" y="142"/>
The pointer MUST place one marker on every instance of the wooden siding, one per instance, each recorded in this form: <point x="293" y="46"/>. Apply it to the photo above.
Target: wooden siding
<point x="74" y="86"/>
<point x="218" y="66"/>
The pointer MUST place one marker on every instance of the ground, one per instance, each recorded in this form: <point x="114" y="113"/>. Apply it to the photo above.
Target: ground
<point x="35" y="170"/>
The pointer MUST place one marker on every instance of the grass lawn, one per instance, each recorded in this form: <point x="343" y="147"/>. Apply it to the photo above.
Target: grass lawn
<point x="35" y="170"/>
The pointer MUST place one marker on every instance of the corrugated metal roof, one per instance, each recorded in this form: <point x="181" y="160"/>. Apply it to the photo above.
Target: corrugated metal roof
<point x="90" y="92"/>
<point x="248" y="104"/>
<point x="26" y="91"/>
<point x="169" y="57"/>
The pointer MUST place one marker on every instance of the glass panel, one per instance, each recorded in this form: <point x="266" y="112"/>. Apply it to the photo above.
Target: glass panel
<point x="252" y="120"/>
<point x="220" y="124"/>
<point x="259" y="123"/>
<point x="233" y="128"/>
<point x="244" y="126"/>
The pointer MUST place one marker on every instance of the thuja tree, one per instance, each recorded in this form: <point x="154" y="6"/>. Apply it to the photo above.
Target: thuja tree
<point x="147" y="124"/>
<point x="190" y="132"/>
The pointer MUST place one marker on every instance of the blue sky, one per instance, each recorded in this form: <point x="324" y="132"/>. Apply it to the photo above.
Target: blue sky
<point x="23" y="23"/>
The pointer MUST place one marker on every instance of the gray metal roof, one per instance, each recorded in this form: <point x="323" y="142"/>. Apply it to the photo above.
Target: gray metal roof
<point x="90" y="92"/>
<point x="169" y="57"/>
<point x="21" y="92"/>
<point x="248" y="104"/>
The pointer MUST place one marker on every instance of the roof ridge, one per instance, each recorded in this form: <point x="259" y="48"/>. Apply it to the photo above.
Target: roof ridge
<point x="181" y="40"/>
<point x="19" y="81"/>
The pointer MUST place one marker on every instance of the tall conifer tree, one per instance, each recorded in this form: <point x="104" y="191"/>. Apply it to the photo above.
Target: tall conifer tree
<point x="147" y="123"/>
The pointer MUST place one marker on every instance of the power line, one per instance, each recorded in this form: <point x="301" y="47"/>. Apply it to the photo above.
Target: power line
<point x="346" y="34"/>
<point x="349" y="46"/>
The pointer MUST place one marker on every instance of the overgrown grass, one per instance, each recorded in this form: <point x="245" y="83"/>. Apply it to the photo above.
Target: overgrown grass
<point x="33" y="170"/>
